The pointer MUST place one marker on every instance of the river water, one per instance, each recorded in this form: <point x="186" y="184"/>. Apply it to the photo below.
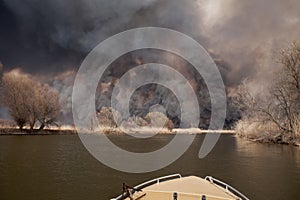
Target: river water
<point x="59" y="167"/>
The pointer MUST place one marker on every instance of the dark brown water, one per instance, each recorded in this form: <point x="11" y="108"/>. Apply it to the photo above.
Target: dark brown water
<point x="59" y="167"/>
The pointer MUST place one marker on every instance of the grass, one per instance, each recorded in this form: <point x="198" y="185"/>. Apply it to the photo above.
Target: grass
<point x="16" y="131"/>
<point x="264" y="132"/>
<point x="109" y="130"/>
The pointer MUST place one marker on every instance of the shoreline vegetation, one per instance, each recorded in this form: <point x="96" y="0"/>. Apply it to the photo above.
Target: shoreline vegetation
<point x="265" y="133"/>
<point x="270" y="112"/>
<point x="266" y="139"/>
<point x="110" y="131"/>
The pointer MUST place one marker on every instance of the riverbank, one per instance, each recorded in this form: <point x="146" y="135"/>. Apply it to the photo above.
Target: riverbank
<point x="272" y="139"/>
<point x="265" y="133"/>
<point x="111" y="131"/>
<point x="15" y="131"/>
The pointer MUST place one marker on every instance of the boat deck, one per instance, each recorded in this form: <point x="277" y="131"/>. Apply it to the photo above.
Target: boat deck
<point x="187" y="188"/>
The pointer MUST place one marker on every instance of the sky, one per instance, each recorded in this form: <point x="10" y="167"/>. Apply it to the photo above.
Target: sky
<point x="55" y="35"/>
<point x="50" y="38"/>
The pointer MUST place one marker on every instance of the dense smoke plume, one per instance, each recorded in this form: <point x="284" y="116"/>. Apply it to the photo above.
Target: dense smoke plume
<point x="243" y="34"/>
<point x="53" y="36"/>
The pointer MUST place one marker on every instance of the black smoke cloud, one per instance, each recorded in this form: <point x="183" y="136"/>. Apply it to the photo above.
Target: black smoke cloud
<point x="249" y="35"/>
<point x="54" y="36"/>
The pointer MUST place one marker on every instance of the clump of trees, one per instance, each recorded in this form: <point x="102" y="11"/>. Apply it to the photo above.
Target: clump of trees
<point x="134" y="122"/>
<point x="29" y="102"/>
<point x="158" y="119"/>
<point x="275" y="110"/>
<point x="107" y="118"/>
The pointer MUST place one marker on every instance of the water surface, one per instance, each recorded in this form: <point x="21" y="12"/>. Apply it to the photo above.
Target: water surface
<point x="58" y="167"/>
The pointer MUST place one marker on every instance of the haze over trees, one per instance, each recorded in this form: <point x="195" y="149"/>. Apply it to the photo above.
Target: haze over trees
<point x="273" y="111"/>
<point x="158" y="119"/>
<point x="107" y="117"/>
<point x="29" y="102"/>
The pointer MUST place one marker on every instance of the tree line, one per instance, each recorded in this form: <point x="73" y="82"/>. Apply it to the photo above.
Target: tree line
<point x="276" y="108"/>
<point x="108" y="117"/>
<point x="29" y="102"/>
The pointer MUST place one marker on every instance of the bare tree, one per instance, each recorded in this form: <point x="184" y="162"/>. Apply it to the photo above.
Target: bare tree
<point x="158" y="119"/>
<point x="32" y="108"/>
<point x="17" y="91"/>
<point x="257" y="107"/>
<point x="29" y="102"/>
<point x="287" y="86"/>
<point x="279" y="103"/>
<point x="134" y="122"/>
<point x="48" y="105"/>
<point x="106" y="117"/>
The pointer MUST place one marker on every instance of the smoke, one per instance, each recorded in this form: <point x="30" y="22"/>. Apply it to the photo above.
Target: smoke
<point x="1" y="71"/>
<point x="3" y="110"/>
<point x="75" y="24"/>
<point x="243" y="37"/>
<point x="63" y="83"/>
<point x="249" y="34"/>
